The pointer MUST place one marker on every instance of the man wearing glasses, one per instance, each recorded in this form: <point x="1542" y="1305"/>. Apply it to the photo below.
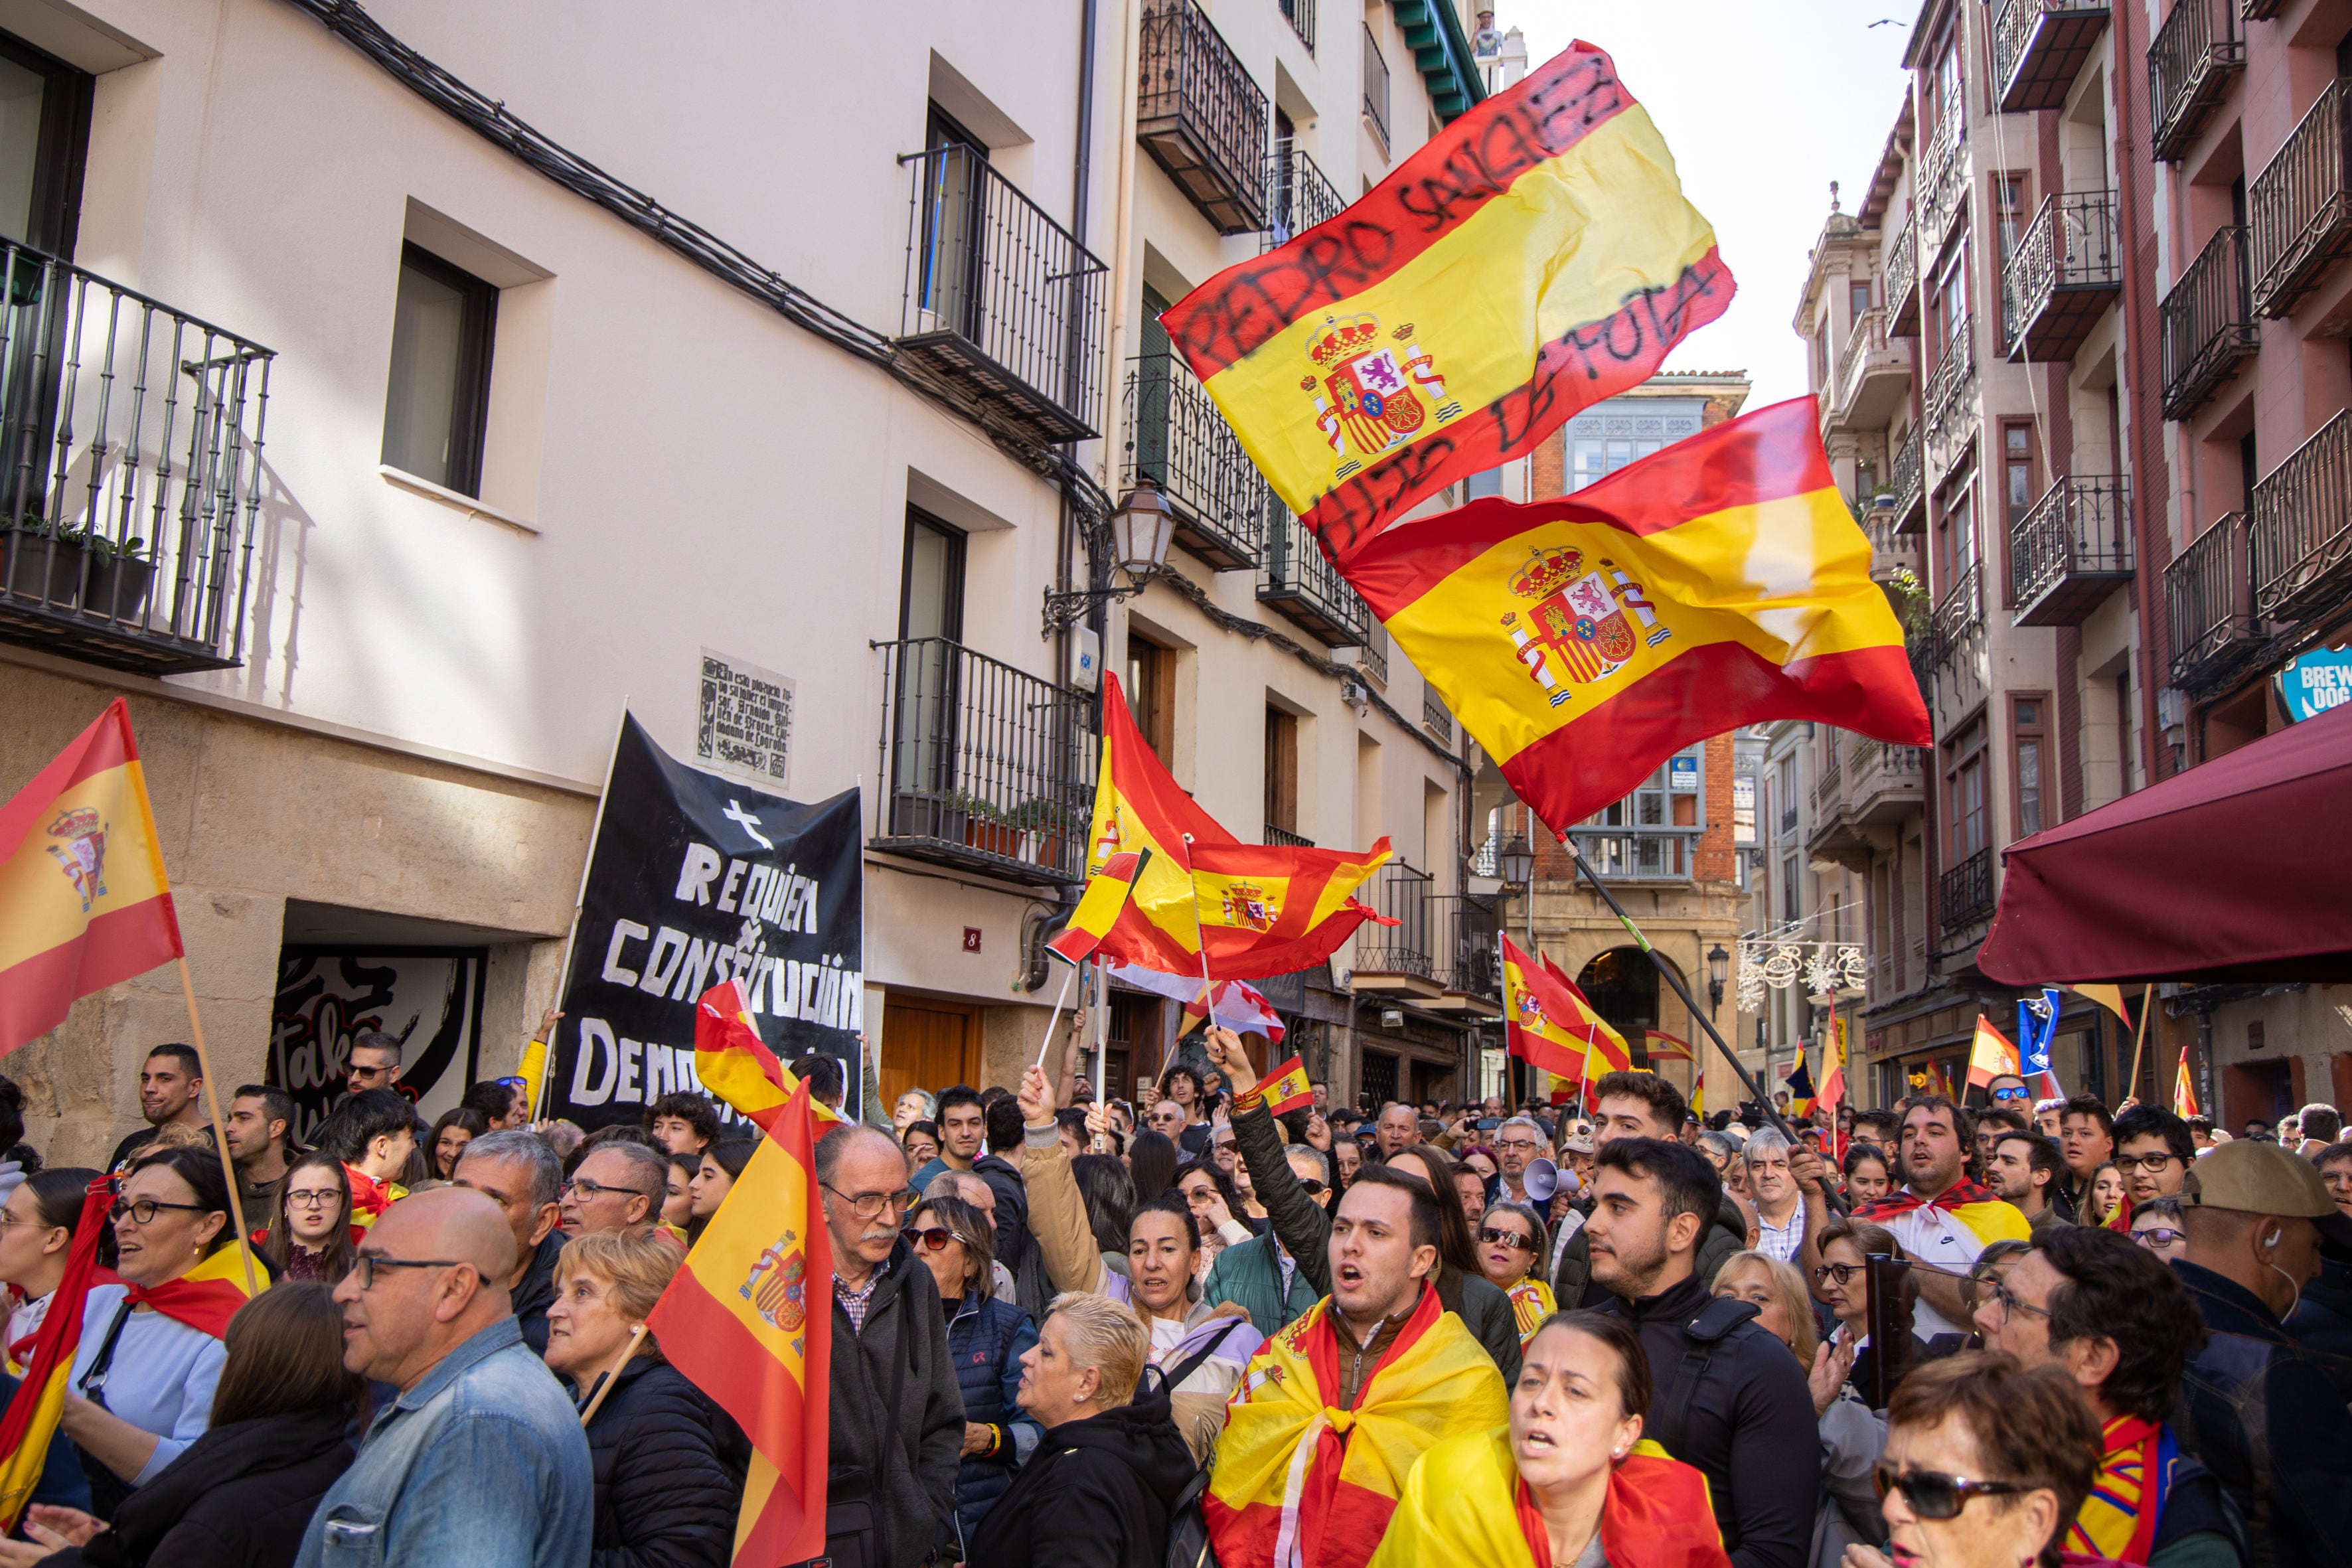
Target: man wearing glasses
<point x="1518" y="1142"/>
<point x="2153" y="1149"/>
<point x="891" y="1383"/>
<point x="618" y="1187"/>
<point x="481" y="1460"/>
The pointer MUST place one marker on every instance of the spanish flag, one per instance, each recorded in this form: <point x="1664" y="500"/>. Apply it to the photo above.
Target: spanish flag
<point x="749" y="1321"/>
<point x="1466" y="1504"/>
<point x="1278" y="909"/>
<point x="1099" y="907"/>
<point x="83" y="901"/>
<point x="1284" y="1089"/>
<point x="1531" y="260"/>
<point x="1584" y="641"/>
<point x="1991" y="1056"/>
<point x="1139" y="806"/>
<point x="41" y="1400"/>
<point x="1549" y="1023"/>
<point x="2184" y="1091"/>
<point x="735" y="1064"/>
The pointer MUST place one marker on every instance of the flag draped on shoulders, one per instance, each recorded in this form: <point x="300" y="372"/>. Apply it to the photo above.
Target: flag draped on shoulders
<point x="1976" y="1209"/>
<point x="1464" y="1503"/>
<point x="1550" y="1023"/>
<point x="84" y="903"/>
<point x="735" y="1064"/>
<point x="1583" y="640"/>
<point x="749" y="1321"/>
<point x="1532" y="258"/>
<point x="1298" y="1481"/>
<point x="207" y="1296"/>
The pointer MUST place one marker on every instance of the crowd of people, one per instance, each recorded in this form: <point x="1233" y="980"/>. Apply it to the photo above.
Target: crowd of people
<point x="1188" y="1327"/>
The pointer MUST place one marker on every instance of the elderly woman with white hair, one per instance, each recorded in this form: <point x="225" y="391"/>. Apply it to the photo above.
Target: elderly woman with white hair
<point x="1099" y="1486"/>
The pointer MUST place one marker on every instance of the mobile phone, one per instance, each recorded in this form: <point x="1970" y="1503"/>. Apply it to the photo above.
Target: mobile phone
<point x="1488" y="1124"/>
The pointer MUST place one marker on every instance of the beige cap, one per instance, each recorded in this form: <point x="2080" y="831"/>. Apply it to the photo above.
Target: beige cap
<point x="2251" y="1177"/>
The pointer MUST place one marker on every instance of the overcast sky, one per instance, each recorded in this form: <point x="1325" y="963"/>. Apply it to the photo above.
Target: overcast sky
<point x="1763" y="105"/>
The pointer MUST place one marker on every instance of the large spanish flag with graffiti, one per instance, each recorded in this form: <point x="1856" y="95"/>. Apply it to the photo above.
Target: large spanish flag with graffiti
<point x="1721" y="582"/>
<point x="1531" y="260"/>
<point x="83" y="901"/>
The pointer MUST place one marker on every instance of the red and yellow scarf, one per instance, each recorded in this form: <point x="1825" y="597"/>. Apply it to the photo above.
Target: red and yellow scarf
<point x="2118" y="1519"/>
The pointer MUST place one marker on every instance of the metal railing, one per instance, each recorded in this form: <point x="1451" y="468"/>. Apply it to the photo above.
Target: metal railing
<point x="2208" y="594"/>
<point x="1286" y="838"/>
<point x="1467" y="957"/>
<point x="1299" y="581"/>
<point x="2055" y="30"/>
<point x="1790" y="814"/>
<point x="1902" y="267"/>
<point x="2189" y="62"/>
<point x="1958" y="614"/>
<point x="2207" y="323"/>
<point x="1298" y="196"/>
<point x="1905" y="480"/>
<point x="1943" y="193"/>
<point x="1376" y="88"/>
<point x="2070" y="246"/>
<point x="1964" y="893"/>
<point x="1868" y="335"/>
<point x="1300" y="15"/>
<point x="1951" y="401"/>
<point x="999" y="296"/>
<point x="2301" y="525"/>
<point x="130" y="473"/>
<point x="2299" y="209"/>
<point x="1832" y="778"/>
<point x="1372" y="653"/>
<point x="1640" y="854"/>
<point x="1201" y="115"/>
<point x="1177" y="439"/>
<point x="983" y="766"/>
<point x="1405" y="896"/>
<point x="1435" y="715"/>
<point x="2080" y="529"/>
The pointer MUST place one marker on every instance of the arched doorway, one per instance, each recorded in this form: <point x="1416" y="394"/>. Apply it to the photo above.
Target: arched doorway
<point x="1622" y="984"/>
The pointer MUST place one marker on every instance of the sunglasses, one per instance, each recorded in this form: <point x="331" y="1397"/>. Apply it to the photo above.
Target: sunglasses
<point x="2011" y="1094"/>
<point x="1311" y="1187"/>
<point x="1495" y="1236"/>
<point x="1931" y="1494"/>
<point x="931" y="1237"/>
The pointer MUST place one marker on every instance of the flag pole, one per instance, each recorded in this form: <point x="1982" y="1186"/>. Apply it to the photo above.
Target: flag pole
<point x="1102" y="1032"/>
<point x="2146" y="1005"/>
<point x="1067" y="975"/>
<point x="1666" y="972"/>
<point x="220" y="1128"/>
<point x="1207" y="987"/>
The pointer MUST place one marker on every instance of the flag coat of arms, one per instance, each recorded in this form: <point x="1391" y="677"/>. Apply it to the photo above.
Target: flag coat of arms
<point x="1583" y="640"/>
<point x="1549" y="1023"/>
<point x="1532" y="258"/>
<point x="1991" y="1056"/>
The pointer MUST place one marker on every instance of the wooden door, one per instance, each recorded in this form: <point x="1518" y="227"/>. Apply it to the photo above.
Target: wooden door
<point x="928" y="1045"/>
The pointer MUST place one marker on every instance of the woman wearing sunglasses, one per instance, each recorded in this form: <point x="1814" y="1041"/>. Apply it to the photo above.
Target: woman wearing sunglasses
<point x="986" y="1338"/>
<point x="1510" y="1240"/>
<point x="1986" y="1464"/>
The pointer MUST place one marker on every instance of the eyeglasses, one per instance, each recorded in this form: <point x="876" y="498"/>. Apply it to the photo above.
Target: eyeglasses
<point x="320" y="1199"/>
<point x="511" y="1082"/>
<point x="1518" y="1144"/>
<point x="1840" y="1272"/>
<point x="2151" y="1163"/>
<point x="369" y="1262"/>
<point x="933" y="1238"/>
<point x="2011" y="1094"/>
<point x="865" y="1205"/>
<point x="144" y="1210"/>
<point x="589" y="1192"/>
<point x="2160" y="1235"/>
<point x="1493" y="1236"/>
<point x="1931" y="1494"/>
<point x="1311" y="1187"/>
<point x="2006" y="1301"/>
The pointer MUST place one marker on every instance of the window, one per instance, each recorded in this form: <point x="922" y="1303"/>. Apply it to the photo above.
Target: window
<point x="2009" y="197"/>
<point x="1791" y="903"/>
<point x="1489" y="483"/>
<point x="1151" y="694"/>
<point x="2017" y="465"/>
<point x="44" y="141"/>
<point x="1949" y="303"/>
<point x="437" y="403"/>
<point x="930" y="593"/>
<point x="1966" y="793"/>
<point x="1281" y="772"/>
<point x="1857" y="298"/>
<point x="1959" y="538"/>
<point x="2028" y="723"/>
<point x="1596" y="458"/>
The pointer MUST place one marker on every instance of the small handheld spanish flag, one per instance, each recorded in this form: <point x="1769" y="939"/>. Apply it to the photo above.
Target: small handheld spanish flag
<point x="1282" y="1089"/>
<point x="2184" y="1090"/>
<point x="1108" y="891"/>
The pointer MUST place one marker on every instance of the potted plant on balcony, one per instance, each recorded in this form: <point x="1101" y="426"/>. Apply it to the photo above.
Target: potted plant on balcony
<point x="120" y="577"/>
<point x="1046" y="826"/>
<point x="44" y="562"/>
<point x="986" y="827"/>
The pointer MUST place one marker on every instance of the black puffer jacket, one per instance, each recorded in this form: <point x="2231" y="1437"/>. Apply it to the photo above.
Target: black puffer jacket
<point x="238" y="1497"/>
<point x="665" y="1498"/>
<point x="1096" y="1494"/>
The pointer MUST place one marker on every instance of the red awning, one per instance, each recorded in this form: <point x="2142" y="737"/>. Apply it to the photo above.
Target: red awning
<point x="2238" y="871"/>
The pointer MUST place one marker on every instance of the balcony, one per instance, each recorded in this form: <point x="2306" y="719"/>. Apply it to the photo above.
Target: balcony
<point x="1200" y="117"/>
<point x="133" y="433"/>
<point x="1888" y="783"/>
<point x="2071" y="549"/>
<point x="2208" y="324"/>
<point x="1907" y="483"/>
<point x="2189" y="64"/>
<point x="1298" y="196"/>
<point x="1376" y="90"/>
<point x="2302" y="528"/>
<point x="1893" y="550"/>
<point x="988" y="768"/>
<point x="1468" y="961"/>
<point x="2066" y="272"/>
<point x="1951" y="403"/>
<point x="1400" y="958"/>
<point x="1297" y="580"/>
<point x="1300" y="15"/>
<point x="1943" y="189"/>
<point x="1640" y="854"/>
<point x="1958" y="616"/>
<point x="1831" y="780"/>
<point x="2208" y="592"/>
<point x="2040" y="46"/>
<point x="1902" y="268"/>
<point x="1000" y="299"/>
<point x="1873" y="375"/>
<point x="2299" y="209"/>
<point x="1285" y="838"/>
<point x="1179" y="441"/>
<point x="1434" y="716"/>
<point x="1964" y="893"/>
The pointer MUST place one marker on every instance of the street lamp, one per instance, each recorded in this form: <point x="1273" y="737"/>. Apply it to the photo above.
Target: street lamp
<point x="1140" y="531"/>
<point x="1718" y="970"/>
<point x="1518" y="861"/>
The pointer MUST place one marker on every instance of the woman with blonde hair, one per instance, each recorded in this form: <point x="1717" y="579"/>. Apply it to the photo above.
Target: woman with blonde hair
<point x="1111" y="1465"/>
<point x="664" y="1492"/>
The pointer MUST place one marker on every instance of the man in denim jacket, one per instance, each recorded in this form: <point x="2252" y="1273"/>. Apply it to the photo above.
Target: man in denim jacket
<point x="481" y="1459"/>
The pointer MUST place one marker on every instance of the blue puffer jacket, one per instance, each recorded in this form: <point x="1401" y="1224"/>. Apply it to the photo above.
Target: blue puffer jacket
<point x="986" y="1339"/>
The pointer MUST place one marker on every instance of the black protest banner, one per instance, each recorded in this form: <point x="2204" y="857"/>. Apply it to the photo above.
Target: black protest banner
<point x="694" y="880"/>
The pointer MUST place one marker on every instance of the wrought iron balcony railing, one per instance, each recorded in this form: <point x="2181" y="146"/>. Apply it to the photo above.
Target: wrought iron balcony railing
<point x="2207" y="324"/>
<point x="1943" y="189"/>
<point x="2066" y="272"/>
<point x="2071" y="549"/>
<point x="1905" y="478"/>
<point x="2302" y="527"/>
<point x="1951" y="401"/>
<point x="2299" y="209"/>
<point x="1000" y="297"/>
<point x="1466" y="926"/>
<point x="1300" y="15"/>
<point x="1640" y="854"/>
<point x="1958" y="615"/>
<point x="1965" y="893"/>
<point x="2040" y="46"/>
<point x="1179" y="441"/>
<point x="2189" y="64"/>
<point x="1832" y="778"/>
<point x="1376" y="88"/>
<point x="1902" y="268"/>
<point x="1285" y="836"/>
<point x="983" y="766"/>
<point x="1409" y="947"/>
<point x="130" y="472"/>
<point x="1298" y="196"/>
<point x="1202" y="117"/>
<point x="1297" y="580"/>
<point x="2208" y="592"/>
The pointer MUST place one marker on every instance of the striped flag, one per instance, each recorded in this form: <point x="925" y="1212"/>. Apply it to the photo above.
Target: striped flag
<point x="2184" y="1091"/>
<point x="40" y="1401"/>
<point x="1991" y="1056"/>
<point x="749" y="1321"/>
<point x="1099" y="907"/>
<point x="1284" y="1089"/>
<point x="1532" y="258"/>
<point x="735" y="1064"/>
<point x="83" y="901"/>
<point x="1549" y="1023"/>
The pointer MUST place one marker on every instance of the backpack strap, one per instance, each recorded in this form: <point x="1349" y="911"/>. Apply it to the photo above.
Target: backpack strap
<point x="1717" y="1318"/>
<point x="1193" y="1364"/>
